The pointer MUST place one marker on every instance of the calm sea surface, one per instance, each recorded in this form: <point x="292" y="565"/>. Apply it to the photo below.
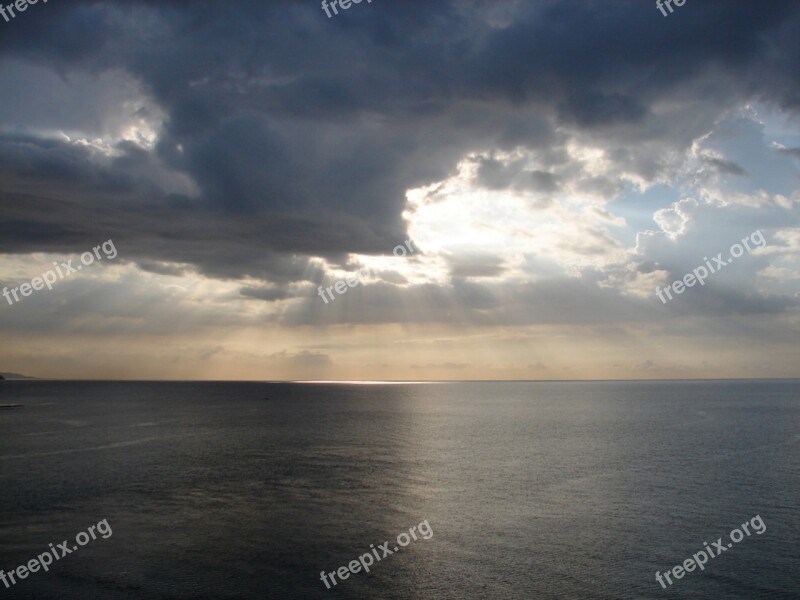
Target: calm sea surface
<point x="532" y="490"/>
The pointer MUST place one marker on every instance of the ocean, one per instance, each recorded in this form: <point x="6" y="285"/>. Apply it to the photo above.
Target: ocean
<point x="531" y="490"/>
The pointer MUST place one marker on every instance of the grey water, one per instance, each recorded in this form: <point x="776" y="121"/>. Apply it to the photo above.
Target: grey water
<point x="562" y="490"/>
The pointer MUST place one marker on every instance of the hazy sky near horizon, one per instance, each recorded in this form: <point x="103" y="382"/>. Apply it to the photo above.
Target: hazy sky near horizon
<point x="553" y="162"/>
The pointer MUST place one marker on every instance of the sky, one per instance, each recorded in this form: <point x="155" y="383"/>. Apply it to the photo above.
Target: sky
<point x="551" y="163"/>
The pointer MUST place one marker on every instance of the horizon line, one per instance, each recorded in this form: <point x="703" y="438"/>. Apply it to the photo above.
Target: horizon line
<point x="401" y="381"/>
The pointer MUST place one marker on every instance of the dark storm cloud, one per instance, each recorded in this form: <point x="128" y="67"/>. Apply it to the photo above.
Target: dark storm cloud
<point x="611" y="57"/>
<point x="303" y="134"/>
<point x="544" y="181"/>
<point x="161" y="268"/>
<point x="727" y="167"/>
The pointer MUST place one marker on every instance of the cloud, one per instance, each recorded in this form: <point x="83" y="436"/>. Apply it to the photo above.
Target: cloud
<point x="727" y="167"/>
<point x="476" y="265"/>
<point x="447" y="365"/>
<point x="793" y="152"/>
<point x="303" y="361"/>
<point x="553" y="173"/>
<point x="266" y="294"/>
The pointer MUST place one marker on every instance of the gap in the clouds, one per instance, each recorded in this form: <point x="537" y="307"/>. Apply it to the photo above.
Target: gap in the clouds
<point x="638" y="207"/>
<point x="518" y="227"/>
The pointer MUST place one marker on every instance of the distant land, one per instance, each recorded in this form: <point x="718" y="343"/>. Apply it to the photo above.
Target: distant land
<point x="14" y="376"/>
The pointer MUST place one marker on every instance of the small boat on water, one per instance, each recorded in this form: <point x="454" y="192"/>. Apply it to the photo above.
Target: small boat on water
<point x="2" y="406"/>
